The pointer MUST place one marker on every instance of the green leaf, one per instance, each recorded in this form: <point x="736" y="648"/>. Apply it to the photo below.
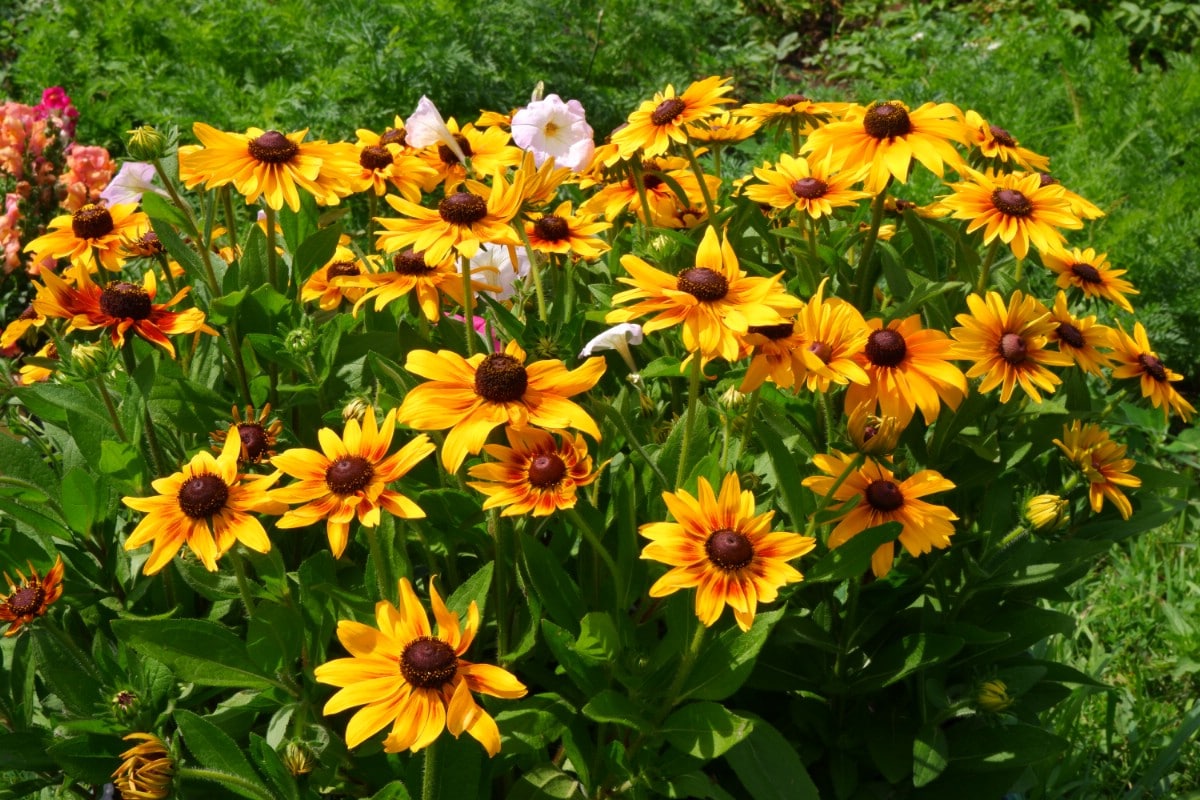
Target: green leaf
<point x="558" y="593"/>
<point x="787" y="473"/>
<point x="393" y="791"/>
<point x="727" y="661"/>
<point x="188" y="258"/>
<point x="598" y="638"/>
<point x="547" y="782"/>
<point x="79" y="502"/>
<point x="474" y="589"/>
<point x="852" y="559"/>
<point x="252" y="266"/>
<point x="221" y="756"/>
<point x="88" y="758"/>
<point x="900" y="659"/>
<point x="769" y="766"/>
<point x="158" y="207"/>
<point x="930" y="755"/>
<point x="315" y="251"/>
<point x="705" y="730"/>
<point x="40" y="524"/>
<point x="25" y="750"/>
<point x="615" y="707"/>
<point x="68" y="671"/>
<point x="584" y="674"/>
<point x="195" y="650"/>
<point x="994" y="747"/>
<point x="24" y="463"/>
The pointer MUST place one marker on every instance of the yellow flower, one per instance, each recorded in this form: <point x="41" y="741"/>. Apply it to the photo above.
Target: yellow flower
<point x="720" y="547"/>
<point x="349" y="476"/>
<point x="489" y="150"/>
<point x="880" y="499"/>
<point x="870" y="434"/>
<point x="30" y="597"/>
<point x="257" y="436"/>
<point x="537" y="474"/>
<point x="998" y="145"/>
<point x="36" y="373"/>
<point x="1090" y="273"/>
<point x="665" y="119"/>
<point x="146" y="771"/>
<point x="410" y="273"/>
<point x="1046" y="512"/>
<point x="1103" y="463"/>
<point x="666" y="209"/>
<point x="270" y="165"/>
<point x="793" y="107"/>
<point x="809" y="186"/>
<point x="1080" y="338"/>
<point x="29" y="318"/>
<point x="1008" y="344"/>
<point x="403" y="675"/>
<point x="1016" y="207"/>
<point x="1136" y="359"/>
<point x="92" y="231"/>
<point x="388" y="162"/>
<point x="714" y="300"/>
<point x="723" y="129"/>
<point x="335" y="280"/>
<point x="993" y="696"/>
<point x="471" y="396"/>
<point x="208" y="506"/>
<point x="565" y="233"/>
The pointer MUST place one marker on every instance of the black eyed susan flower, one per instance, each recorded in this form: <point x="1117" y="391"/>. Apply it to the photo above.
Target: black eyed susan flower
<point x="1015" y="208"/>
<point x="471" y="396"/>
<point x="489" y="151"/>
<point x="1080" y="337"/>
<point x="1080" y="206"/>
<point x="723" y="550"/>
<point x="992" y="696"/>
<point x="257" y="435"/>
<point x="1102" y="462"/>
<point x="29" y="598"/>
<point x="666" y="210"/>
<point x="1007" y="344"/>
<point x="810" y="186"/>
<point x="998" y="145"/>
<point x="566" y="233"/>
<point x="404" y="676"/>
<point x="793" y="107"/>
<point x="1090" y="273"/>
<point x="29" y="318"/>
<point x="337" y="279"/>
<point x="537" y="474"/>
<point x="120" y="307"/>
<point x="1136" y="359"/>
<point x="410" y="273"/>
<point x="391" y="164"/>
<point x="881" y="499"/>
<point x="208" y="506"/>
<point x="714" y="300"/>
<point x="871" y="434"/>
<point x="723" y="128"/>
<point x="909" y="368"/>
<point x="886" y="137"/>
<point x="31" y="373"/>
<point x="146" y="770"/>
<point x="348" y="476"/>
<point x="665" y="119"/>
<point x="92" y="231"/>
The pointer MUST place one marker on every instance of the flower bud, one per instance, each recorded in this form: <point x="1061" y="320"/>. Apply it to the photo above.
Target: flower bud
<point x="146" y="143"/>
<point x="872" y="435"/>
<point x="299" y="342"/>
<point x="1046" y="512"/>
<point x="90" y="360"/>
<point x="297" y="758"/>
<point x="125" y="704"/>
<point x="356" y="409"/>
<point x="992" y="696"/>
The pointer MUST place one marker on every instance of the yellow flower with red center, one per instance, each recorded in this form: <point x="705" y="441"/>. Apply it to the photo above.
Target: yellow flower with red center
<point x="1080" y="337"/>
<point x="793" y="108"/>
<point x="1016" y="208"/>
<point x="389" y="163"/>
<point x="120" y="307"/>
<point x="404" y="676"/>
<point x="1090" y="273"/>
<point x="566" y="233"/>
<point x="1007" y="344"/>
<point x="349" y="476"/>
<point x="258" y="436"/>
<point x="723" y="550"/>
<point x="471" y="396"/>
<point x="537" y="474"/>
<point x="909" y="368"/>
<point x="36" y="373"/>
<point x="666" y="209"/>
<point x="714" y="301"/>
<point x="886" y="137"/>
<point x="336" y="280"/>
<point x="29" y="318"/>
<point x="29" y="598"/>
<point x="1103" y="463"/>
<point x="410" y="273"/>
<point x="270" y="165"/>
<point x="723" y="128"/>
<point x="997" y="144"/>
<point x="92" y="237"/>
<point x="665" y="119"/>
<point x="810" y="186"/>
<point x="1136" y="359"/>
<point x="490" y="150"/>
<point x="881" y="499"/>
<point x="208" y="506"/>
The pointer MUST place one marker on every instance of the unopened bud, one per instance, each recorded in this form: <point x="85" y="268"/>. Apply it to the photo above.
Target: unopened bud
<point x="1046" y="512"/>
<point x="872" y="435"/>
<point x="356" y="409"/>
<point x="146" y="144"/>
<point x="297" y="759"/>
<point x="993" y="697"/>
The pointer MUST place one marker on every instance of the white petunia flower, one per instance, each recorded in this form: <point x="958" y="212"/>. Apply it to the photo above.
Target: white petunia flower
<point x="550" y="128"/>
<point x="426" y="127"/>
<point x="493" y="264"/>
<point x="618" y="338"/>
<point x="134" y="179"/>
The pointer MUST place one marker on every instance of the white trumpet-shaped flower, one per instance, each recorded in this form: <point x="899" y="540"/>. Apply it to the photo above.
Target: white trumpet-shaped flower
<point x="426" y="127"/>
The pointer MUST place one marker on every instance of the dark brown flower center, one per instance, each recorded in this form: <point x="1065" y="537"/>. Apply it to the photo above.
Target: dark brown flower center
<point x="255" y="441"/>
<point x="869" y="433"/>
<point x="886" y="121"/>
<point x="92" y="222"/>
<point x="349" y="474"/>
<point x="702" y="283"/>
<point x="773" y="332"/>
<point x="1153" y="367"/>
<point x="428" y="663"/>
<point x="122" y="300"/>
<point x="667" y="110"/>
<point x="500" y="378"/>
<point x="728" y="549"/>
<point x="463" y="208"/>
<point x="375" y="156"/>
<point x="790" y="100"/>
<point x="202" y="496"/>
<point x="1086" y="273"/>
<point x="886" y="348"/>
<point x="28" y="313"/>
<point x="822" y="351"/>
<point x="148" y="244"/>
<point x="27" y="600"/>
<point x="1048" y="179"/>
<point x="650" y="182"/>
<point x="810" y="188"/>
<point x="552" y="229"/>
<point x="341" y="268"/>
<point x="546" y="470"/>
<point x="394" y="136"/>
<point x="125" y="699"/>
<point x="884" y="496"/>
<point x="448" y="156"/>
<point x="1002" y="136"/>
<point x="1070" y="334"/>
<point x="273" y="148"/>
<point x="1012" y="203"/>
<point x="1012" y="348"/>
<point x="411" y="262"/>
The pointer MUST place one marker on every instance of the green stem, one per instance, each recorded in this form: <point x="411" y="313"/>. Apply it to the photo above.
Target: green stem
<point x="795" y="126"/>
<point x="709" y="205"/>
<point x="239" y="570"/>
<point x="468" y="305"/>
<point x="272" y="256"/>
<point x="382" y="580"/>
<point x="986" y="269"/>
<point x="192" y="228"/>
<point x="622" y="423"/>
<point x="221" y="777"/>
<point x="429" y="779"/>
<point x="500" y="581"/>
<point x="535" y="269"/>
<point x="689" y="422"/>
<point x="230" y="219"/>
<point x="747" y="426"/>
<point x="865" y="275"/>
<point x="156" y="454"/>
<point x="673" y="691"/>
<point x="594" y="540"/>
<point x="112" y="409"/>
<point x="814" y="255"/>
<point x="372" y="210"/>
<point x="716" y="154"/>
<point x="161" y="258"/>
<point x="635" y="167"/>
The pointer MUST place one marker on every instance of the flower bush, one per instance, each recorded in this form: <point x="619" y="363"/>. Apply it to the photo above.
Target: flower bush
<point x="813" y="359"/>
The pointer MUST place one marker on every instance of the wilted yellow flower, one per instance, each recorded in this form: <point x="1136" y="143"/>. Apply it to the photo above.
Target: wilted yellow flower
<point x="993" y="696"/>
<point x="145" y="773"/>
<point x="1046" y="512"/>
<point x="872" y="434"/>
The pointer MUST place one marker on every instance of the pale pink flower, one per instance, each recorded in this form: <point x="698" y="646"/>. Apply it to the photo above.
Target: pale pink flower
<point x="133" y="180"/>
<point x="426" y="127"/>
<point x="550" y="128"/>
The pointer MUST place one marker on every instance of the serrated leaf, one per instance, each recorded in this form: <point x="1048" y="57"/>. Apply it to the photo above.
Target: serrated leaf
<point x="195" y="650"/>
<point x="221" y="756"/>
<point x="70" y="673"/>
<point x="474" y="589"/>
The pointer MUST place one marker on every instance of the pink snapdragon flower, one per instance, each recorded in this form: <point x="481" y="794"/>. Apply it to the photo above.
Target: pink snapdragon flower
<point x="89" y="169"/>
<point x="56" y="106"/>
